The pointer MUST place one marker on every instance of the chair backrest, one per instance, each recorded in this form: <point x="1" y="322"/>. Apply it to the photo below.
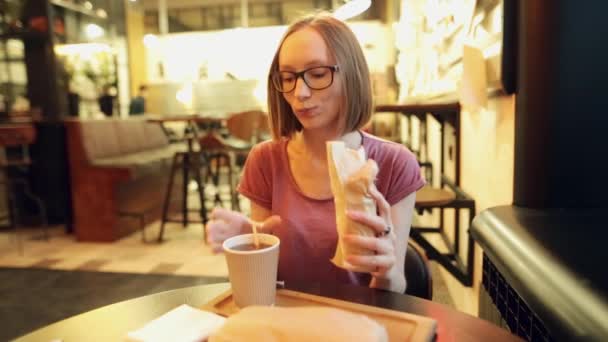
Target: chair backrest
<point x="248" y="126"/>
<point x="17" y="135"/>
<point x="211" y="141"/>
<point x="418" y="273"/>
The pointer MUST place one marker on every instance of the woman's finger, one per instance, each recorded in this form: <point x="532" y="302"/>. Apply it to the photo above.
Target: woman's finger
<point x="377" y="223"/>
<point x="271" y="224"/>
<point x="217" y="248"/>
<point x="377" y="245"/>
<point x="219" y="213"/>
<point x="378" y="262"/>
<point x="384" y="209"/>
<point x="217" y="231"/>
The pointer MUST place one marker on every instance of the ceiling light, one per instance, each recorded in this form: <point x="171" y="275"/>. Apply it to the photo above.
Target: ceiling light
<point x="94" y="31"/>
<point x="352" y="9"/>
<point x="101" y="13"/>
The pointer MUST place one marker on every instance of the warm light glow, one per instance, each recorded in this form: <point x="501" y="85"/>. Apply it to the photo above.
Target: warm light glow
<point x="493" y="50"/>
<point x="260" y="94"/>
<point x="94" y="31"/>
<point x="85" y="50"/>
<point x="433" y="12"/>
<point x="101" y="13"/>
<point x="352" y="9"/>
<point x="478" y="19"/>
<point x="218" y="55"/>
<point x="150" y="40"/>
<point x="184" y="95"/>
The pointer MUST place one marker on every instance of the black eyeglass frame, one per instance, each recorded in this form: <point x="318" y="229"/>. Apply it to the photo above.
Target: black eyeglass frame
<point x="300" y="74"/>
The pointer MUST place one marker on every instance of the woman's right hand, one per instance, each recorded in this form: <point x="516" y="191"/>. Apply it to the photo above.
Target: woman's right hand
<point x="224" y="224"/>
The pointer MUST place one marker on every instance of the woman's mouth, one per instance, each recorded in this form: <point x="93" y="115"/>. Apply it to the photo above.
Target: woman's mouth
<point x="305" y="111"/>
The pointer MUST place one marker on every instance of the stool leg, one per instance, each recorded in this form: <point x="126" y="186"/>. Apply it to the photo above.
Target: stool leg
<point x="201" y="187"/>
<point x="43" y="218"/>
<point x="221" y="159"/>
<point x="208" y="171"/>
<point x="41" y="208"/>
<point x="215" y="174"/>
<point x="237" y="173"/>
<point x="201" y="192"/>
<point x="13" y="214"/>
<point x="228" y="161"/>
<point x="186" y="179"/>
<point x="234" y="203"/>
<point x="174" y="166"/>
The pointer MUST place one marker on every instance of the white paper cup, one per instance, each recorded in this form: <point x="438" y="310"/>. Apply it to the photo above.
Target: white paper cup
<point x="253" y="274"/>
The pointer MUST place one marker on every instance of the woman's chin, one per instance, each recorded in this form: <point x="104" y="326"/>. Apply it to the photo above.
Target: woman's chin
<point x="308" y="122"/>
<point x="313" y="122"/>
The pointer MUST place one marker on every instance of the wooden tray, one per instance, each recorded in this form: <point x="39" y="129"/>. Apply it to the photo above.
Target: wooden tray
<point x="400" y="326"/>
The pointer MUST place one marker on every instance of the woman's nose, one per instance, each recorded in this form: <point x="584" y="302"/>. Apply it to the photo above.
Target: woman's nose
<point x="302" y="90"/>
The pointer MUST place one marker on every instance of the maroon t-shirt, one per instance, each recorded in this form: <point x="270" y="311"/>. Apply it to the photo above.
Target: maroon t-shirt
<point x="308" y="232"/>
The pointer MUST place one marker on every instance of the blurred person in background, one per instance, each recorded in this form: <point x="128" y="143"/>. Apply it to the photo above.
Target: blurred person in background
<point x="138" y="103"/>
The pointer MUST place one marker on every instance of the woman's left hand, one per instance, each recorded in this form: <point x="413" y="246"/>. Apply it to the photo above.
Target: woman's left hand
<point x="383" y="245"/>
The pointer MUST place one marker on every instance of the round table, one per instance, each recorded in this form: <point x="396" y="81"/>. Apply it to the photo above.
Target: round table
<point x="112" y="322"/>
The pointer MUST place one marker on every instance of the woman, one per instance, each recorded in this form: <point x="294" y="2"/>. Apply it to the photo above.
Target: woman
<point x="319" y="90"/>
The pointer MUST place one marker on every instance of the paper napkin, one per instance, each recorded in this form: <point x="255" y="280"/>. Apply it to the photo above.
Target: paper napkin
<point x="182" y="324"/>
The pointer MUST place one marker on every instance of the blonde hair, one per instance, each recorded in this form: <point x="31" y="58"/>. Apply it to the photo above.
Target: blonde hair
<point x="356" y="108"/>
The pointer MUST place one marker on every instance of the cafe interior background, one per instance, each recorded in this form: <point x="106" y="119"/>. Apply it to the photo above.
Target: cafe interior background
<point x="212" y="56"/>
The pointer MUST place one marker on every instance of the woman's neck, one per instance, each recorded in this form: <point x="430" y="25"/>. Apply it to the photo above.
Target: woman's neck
<point x="314" y="143"/>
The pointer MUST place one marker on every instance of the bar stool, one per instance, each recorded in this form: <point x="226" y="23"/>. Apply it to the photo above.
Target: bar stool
<point x="188" y="162"/>
<point x="18" y="137"/>
<point x="455" y="198"/>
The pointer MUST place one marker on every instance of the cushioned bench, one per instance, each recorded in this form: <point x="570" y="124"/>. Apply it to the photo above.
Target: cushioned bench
<point x="118" y="171"/>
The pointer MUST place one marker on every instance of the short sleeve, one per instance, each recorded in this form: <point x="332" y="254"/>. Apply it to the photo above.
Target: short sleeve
<point x="399" y="173"/>
<point x="256" y="180"/>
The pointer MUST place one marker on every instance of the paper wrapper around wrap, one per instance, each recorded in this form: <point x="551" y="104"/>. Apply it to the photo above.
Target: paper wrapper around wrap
<point x="351" y="177"/>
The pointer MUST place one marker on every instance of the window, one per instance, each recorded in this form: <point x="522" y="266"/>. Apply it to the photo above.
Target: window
<point x="224" y="15"/>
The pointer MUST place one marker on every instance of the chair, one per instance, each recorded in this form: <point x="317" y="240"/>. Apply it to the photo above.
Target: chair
<point x="447" y="194"/>
<point x="418" y="273"/>
<point x="17" y="137"/>
<point x="215" y="153"/>
<point x="243" y="131"/>
<point x="249" y="126"/>
<point x="430" y="198"/>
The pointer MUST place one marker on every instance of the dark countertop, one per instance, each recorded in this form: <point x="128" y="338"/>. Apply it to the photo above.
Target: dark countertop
<point x="555" y="260"/>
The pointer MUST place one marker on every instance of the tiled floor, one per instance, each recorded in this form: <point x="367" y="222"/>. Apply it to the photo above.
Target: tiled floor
<point x="184" y="253"/>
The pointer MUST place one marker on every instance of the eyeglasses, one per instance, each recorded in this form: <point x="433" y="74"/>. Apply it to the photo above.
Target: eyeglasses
<point x="316" y="78"/>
